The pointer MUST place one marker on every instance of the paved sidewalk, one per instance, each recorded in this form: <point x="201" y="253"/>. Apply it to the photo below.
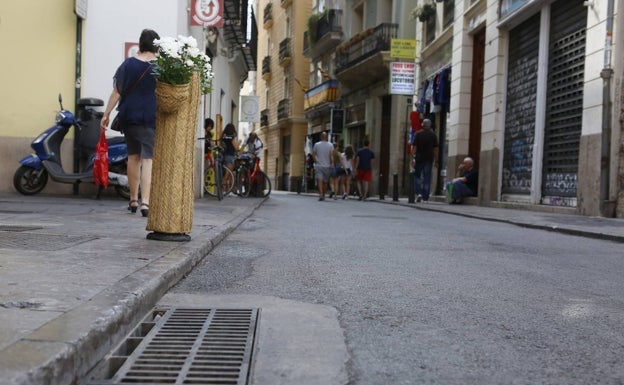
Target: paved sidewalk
<point x="77" y="274"/>
<point x="591" y="227"/>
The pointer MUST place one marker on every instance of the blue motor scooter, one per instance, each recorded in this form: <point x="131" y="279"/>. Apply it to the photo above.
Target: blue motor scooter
<point x="31" y="177"/>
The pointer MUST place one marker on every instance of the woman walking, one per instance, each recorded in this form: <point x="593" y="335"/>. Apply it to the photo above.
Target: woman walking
<point x="347" y="159"/>
<point x="133" y="94"/>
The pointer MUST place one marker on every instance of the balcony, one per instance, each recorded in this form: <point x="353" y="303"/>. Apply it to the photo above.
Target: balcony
<point x="283" y="109"/>
<point x="323" y="34"/>
<point x="365" y="56"/>
<point x="268" y="16"/>
<point x="285" y="52"/>
<point x="325" y="92"/>
<point x="285" y="3"/>
<point x="266" y="68"/>
<point x="264" y="118"/>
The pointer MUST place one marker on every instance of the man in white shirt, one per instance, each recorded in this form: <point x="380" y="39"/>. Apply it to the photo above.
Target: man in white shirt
<point x="323" y="163"/>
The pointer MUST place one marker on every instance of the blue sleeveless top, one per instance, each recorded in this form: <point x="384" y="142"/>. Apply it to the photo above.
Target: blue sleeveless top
<point x="138" y="102"/>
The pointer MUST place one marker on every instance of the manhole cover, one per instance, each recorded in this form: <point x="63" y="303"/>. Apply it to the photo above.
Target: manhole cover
<point x="41" y="242"/>
<point x="186" y="346"/>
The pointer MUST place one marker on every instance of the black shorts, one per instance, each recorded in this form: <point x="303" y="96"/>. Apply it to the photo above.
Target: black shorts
<point x="140" y="140"/>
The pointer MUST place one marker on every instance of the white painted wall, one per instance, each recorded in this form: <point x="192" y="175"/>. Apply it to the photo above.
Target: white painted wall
<point x="110" y="24"/>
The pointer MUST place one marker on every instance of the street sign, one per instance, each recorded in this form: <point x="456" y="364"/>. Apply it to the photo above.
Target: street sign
<point x="250" y="109"/>
<point x="402" y="78"/>
<point x="403" y="49"/>
<point x="207" y="13"/>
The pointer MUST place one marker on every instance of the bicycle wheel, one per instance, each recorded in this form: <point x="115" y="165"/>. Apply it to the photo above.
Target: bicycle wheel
<point x="210" y="181"/>
<point x="262" y="185"/>
<point x="242" y="182"/>
<point x="227" y="181"/>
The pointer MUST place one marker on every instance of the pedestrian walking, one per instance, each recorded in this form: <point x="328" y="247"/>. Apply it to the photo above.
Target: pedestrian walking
<point x="364" y="169"/>
<point x="338" y="171"/>
<point x="425" y="156"/>
<point x="323" y="163"/>
<point x="347" y="160"/>
<point x="134" y="95"/>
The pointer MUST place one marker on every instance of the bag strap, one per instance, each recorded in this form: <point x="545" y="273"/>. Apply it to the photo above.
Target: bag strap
<point x="136" y="82"/>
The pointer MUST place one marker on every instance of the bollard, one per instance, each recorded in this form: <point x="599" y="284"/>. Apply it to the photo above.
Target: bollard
<point x="381" y="187"/>
<point x="395" y="187"/>
<point x="410" y="191"/>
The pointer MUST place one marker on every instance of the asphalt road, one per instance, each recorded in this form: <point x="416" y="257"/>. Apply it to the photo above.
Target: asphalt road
<point x="429" y="298"/>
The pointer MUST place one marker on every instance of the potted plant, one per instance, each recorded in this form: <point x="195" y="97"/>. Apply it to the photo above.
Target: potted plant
<point x="313" y="20"/>
<point x="178" y="59"/>
<point x="424" y="12"/>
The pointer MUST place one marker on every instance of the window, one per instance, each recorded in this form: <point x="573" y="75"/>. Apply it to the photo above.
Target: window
<point x="508" y="6"/>
<point x="449" y="13"/>
<point x="357" y="24"/>
<point x="430" y="26"/>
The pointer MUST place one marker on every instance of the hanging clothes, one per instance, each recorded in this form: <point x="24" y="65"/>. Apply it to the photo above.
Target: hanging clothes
<point x="423" y="101"/>
<point x="444" y="89"/>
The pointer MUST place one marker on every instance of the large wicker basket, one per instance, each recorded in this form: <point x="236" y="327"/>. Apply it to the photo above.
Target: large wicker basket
<point x="171" y="203"/>
<point x="170" y="97"/>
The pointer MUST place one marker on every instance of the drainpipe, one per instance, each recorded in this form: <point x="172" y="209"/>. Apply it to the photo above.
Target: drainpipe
<point x="606" y="74"/>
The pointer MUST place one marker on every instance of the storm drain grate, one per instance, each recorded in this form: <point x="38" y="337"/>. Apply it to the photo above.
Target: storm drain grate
<point x="187" y="346"/>
<point x="41" y="242"/>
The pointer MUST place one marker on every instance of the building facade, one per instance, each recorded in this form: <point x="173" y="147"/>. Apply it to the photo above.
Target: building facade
<point x="350" y="94"/>
<point x="280" y="84"/>
<point x="80" y="57"/>
<point x="535" y="98"/>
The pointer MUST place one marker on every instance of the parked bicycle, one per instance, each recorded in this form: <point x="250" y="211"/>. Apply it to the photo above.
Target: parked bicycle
<point x="217" y="184"/>
<point x="250" y="179"/>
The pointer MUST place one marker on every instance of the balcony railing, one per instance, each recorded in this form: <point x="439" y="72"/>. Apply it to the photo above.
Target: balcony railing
<point x="364" y="45"/>
<point x="268" y="16"/>
<point x="285" y="52"/>
<point x="324" y="31"/>
<point x="323" y="93"/>
<point x="283" y="109"/>
<point x="264" y="118"/>
<point x="266" y="68"/>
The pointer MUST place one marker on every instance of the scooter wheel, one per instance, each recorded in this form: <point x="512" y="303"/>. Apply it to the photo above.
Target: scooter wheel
<point x="123" y="191"/>
<point x="29" y="181"/>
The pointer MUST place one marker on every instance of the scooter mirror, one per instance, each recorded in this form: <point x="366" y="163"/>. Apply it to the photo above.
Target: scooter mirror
<point x="60" y="101"/>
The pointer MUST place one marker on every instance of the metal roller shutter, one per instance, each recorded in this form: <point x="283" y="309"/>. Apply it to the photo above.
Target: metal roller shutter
<point x="564" y="110"/>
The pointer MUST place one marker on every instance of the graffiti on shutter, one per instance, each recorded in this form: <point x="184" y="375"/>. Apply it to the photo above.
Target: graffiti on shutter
<point x="520" y="107"/>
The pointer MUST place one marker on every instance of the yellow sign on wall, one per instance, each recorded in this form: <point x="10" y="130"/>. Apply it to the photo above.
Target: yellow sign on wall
<point x="403" y="49"/>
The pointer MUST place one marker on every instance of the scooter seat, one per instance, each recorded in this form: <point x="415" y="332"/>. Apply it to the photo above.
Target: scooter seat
<point x="86" y="102"/>
<point x="115" y="140"/>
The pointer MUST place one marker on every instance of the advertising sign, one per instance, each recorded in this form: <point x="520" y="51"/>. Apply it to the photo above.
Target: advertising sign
<point x="402" y="78"/>
<point x="130" y="49"/>
<point x="403" y="49"/>
<point x="207" y="13"/>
